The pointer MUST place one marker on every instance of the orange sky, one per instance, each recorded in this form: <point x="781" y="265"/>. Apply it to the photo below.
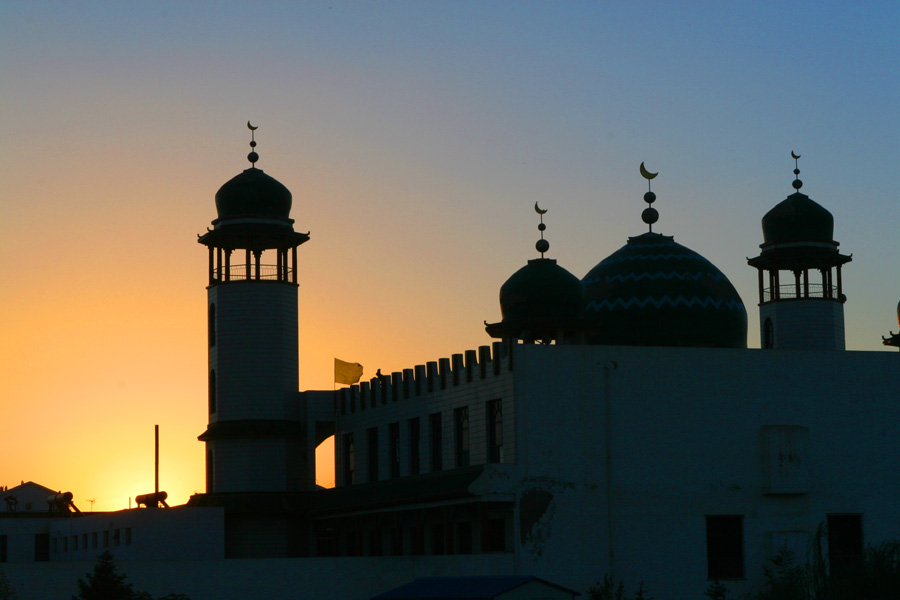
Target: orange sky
<point x="415" y="137"/>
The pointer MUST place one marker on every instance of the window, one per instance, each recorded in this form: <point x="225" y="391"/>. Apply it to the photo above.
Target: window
<point x="74" y="543"/>
<point x="42" y="547"/>
<point x="372" y="435"/>
<point x="349" y="458"/>
<point x="94" y="540"/>
<point x="210" y="478"/>
<point x="414" y="439"/>
<point x="394" y="434"/>
<point x="375" y="542"/>
<point x="725" y="546"/>
<point x="495" y="535"/>
<point x="3" y="550"/>
<point x="494" y="410"/>
<point x="845" y="543"/>
<point x="212" y="325"/>
<point x="437" y="539"/>
<point x="768" y="334"/>
<point x="461" y="421"/>
<point x="212" y="391"/>
<point x="128" y="536"/>
<point x="464" y="538"/>
<point x="437" y="442"/>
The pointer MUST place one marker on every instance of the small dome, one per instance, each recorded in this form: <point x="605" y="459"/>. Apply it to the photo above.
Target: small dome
<point x="253" y="194"/>
<point x="655" y="292"/>
<point x="798" y="219"/>
<point x="541" y="301"/>
<point x="542" y="290"/>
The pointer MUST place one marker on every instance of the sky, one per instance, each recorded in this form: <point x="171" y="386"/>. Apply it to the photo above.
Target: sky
<point x="415" y="138"/>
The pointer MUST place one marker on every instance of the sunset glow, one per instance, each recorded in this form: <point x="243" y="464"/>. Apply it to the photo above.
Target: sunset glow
<point x="415" y="138"/>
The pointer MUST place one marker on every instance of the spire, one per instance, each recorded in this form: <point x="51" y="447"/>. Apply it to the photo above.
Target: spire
<point x="253" y="156"/>
<point x="650" y="214"/>
<point x="797" y="183"/>
<point x="541" y="245"/>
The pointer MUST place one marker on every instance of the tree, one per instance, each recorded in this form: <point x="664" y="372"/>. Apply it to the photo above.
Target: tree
<point x="106" y="583"/>
<point x="7" y="591"/>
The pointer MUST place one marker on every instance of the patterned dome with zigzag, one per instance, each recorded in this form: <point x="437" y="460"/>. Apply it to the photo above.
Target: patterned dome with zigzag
<point x="655" y="292"/>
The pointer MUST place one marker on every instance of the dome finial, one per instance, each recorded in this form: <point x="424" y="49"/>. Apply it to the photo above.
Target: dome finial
<point x="797" y="183"/>
<point x="542" y="245"/>
<point x="253" y="156"/>
<point x="650" y="214"/>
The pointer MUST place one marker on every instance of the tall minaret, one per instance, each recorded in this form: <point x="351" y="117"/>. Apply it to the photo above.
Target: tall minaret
<point x="254" y="441"/>
<point x="794" y="312"/>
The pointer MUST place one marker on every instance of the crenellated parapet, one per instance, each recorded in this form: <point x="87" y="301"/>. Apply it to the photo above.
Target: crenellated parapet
<point x="442" y="374"/>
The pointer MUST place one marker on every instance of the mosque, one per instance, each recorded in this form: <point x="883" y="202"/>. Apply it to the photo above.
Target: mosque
<point x="617" y="425"/>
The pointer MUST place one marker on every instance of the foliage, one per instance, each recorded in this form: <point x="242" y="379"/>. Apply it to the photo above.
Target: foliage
<point x="716" y="591"/>
<point x="7" y="591"/>
<point x="608" y="589"/>
<point x="876" y="577"/>
<point x="106" y="583"/>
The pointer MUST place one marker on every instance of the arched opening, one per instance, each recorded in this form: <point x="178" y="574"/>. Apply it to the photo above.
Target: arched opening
<point x="210" y="471"/>
<point x="768" y="334"/>
<point x="212" y="325"/>
<point x="212" y="391"/>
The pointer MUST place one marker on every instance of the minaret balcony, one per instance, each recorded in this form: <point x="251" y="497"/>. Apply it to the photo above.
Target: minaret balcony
<point x="809" y="291"/>
<point x="240" y="272"/>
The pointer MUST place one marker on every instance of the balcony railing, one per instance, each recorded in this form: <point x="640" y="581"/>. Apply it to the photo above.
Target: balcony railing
<point x="238" y="272"/>
<point x="789" y="291"/>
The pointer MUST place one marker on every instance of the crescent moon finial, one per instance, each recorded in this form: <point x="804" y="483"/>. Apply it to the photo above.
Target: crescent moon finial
<point x="647" y="174"/>
<point x="539" y="210"/>
<point x="251" y="127"/>
<point x="794" y="156"/>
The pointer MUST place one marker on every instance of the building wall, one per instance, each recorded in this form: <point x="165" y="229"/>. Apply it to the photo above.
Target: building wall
<point x="470" y="385"/>
<point x="659" y="438"/>
<point x="255" y="355"/>
<point x="805" y="324"/>
<point x="273" y="579"/>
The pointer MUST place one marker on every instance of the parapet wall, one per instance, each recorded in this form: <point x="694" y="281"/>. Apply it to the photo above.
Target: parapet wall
<point x="458" y="370"/>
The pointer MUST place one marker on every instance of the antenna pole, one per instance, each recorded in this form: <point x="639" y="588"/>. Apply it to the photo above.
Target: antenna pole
<point x="156" y="460"/>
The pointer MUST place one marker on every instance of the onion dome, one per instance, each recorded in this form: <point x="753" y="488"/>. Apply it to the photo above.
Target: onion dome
<point x="253" y="194"/>
<point x="656" y="292"/>
<point x="798" y="234"/>
<point x="541" y="301"/>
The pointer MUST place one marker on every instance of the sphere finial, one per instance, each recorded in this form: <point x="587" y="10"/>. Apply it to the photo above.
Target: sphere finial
<point x="542" y="245"/>
<point x="650" y="215"/>
<point x="797" y="184"/>
<point x="253" y="156"/>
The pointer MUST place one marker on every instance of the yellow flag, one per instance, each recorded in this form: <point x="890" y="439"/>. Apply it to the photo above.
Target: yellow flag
<point x="345" y="372"/>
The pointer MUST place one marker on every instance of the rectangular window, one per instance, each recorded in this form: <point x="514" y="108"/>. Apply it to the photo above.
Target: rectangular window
<point x="74" y="543"/>
<point x="349" y="457"/>
<point x="42" y="547"/>
<point x="437" y="442"/>
<point x="461" y="422"/>
<point x="437" y="539"/>
<point x="65" y="544"/>
<point x="3" y="549"/>
<point x="375" y="542"/>
<point x="116" y="537"/>
<point x="494" y="410"/>
<point x="414" y="440"/>
<point x="373" y="453"/>
<point x="417" y="540"/>
<point x="845" y="543"/>
<point x="464" y="538"/>
<point x="725" y="546"/>
<point x="394" y="434"/>
<point x="397" y="541"/>
<point x="495" y="535"/>
<point x="128" y="536"/>
<point x="94" y="540"/>
<point x="84" y="541"/>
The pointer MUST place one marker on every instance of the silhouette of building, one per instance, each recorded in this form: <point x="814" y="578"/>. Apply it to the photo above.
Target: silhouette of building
<point x="618" y="424"/>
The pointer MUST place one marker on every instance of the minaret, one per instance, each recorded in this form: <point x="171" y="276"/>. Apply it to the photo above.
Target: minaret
<point x="796" y="312"/>
<point x="254" y="441"/>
